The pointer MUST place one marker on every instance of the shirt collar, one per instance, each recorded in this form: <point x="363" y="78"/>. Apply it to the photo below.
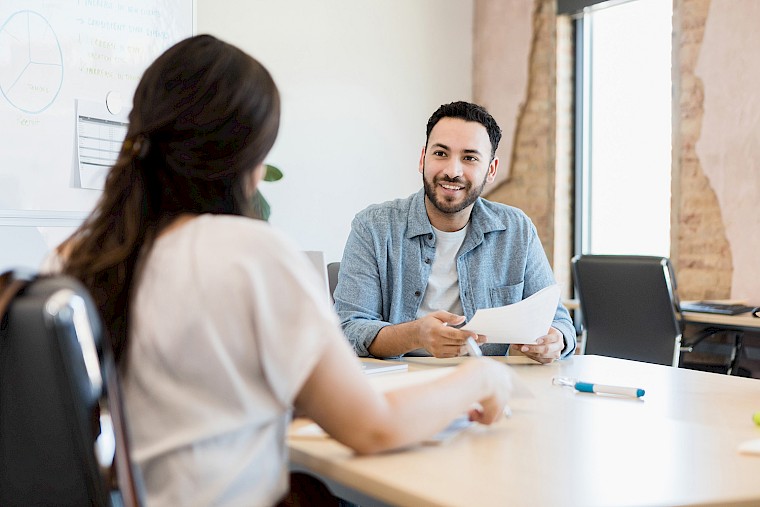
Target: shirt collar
<point x="482" y="219"/>
<point x="417" y="222"/>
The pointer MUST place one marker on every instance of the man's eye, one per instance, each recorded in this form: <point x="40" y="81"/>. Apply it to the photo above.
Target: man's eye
<point x="439" y="153"/>
<point x="470" y="158"/>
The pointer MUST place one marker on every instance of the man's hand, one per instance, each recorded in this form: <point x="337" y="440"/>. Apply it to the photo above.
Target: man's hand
<point x="436" y="334"/>
<point x="548" y="348"/>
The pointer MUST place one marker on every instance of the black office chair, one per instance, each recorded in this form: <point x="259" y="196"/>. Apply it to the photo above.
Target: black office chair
<point x="630" y="310"/>
<point x="629" y="307"/>
<point x="58" y="394"/>
<point x="333" y="269"/>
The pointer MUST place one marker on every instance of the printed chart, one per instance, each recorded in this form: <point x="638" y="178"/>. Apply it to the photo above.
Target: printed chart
<point x="99" y="144"/>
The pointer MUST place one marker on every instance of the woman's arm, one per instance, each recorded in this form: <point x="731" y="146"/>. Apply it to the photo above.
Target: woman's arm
<point x="338" y="397"/>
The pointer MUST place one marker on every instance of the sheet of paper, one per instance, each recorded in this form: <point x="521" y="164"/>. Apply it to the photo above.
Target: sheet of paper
<point x="375" y="368"/>
<point x="99" y="138"/>
<point x="522" y="322"/>
<point x="384" y="383"/>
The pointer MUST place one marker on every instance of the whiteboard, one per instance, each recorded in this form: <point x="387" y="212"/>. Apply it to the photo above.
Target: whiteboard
<point x="55" y="54"/>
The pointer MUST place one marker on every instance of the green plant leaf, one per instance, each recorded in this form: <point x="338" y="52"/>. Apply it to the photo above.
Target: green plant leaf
<point x="272" y="173"/>
<point x="260" y="206"/>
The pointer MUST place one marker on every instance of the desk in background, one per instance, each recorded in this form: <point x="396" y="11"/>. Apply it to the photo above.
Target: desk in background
<point x="676" y="446"/>
<point x="741" y="322"/>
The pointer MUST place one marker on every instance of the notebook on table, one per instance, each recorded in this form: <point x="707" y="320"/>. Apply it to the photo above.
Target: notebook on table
<point x="371" y="368"/>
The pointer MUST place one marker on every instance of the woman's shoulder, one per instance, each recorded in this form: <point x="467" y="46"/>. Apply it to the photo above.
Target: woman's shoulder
<point x="223" y="238"/>
<point x="234" y="229"/>
<point x="240" y="239"/>
<point x="238" y="222"/>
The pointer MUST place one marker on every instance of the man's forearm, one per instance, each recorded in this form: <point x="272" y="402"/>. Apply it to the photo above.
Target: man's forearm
<point x="395" y="340"/>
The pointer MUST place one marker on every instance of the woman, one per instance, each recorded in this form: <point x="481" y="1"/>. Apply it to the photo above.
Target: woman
<point x="219" y="324"/>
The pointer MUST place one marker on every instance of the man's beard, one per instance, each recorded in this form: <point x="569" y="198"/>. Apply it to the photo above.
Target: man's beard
<point x="471" y="193"/>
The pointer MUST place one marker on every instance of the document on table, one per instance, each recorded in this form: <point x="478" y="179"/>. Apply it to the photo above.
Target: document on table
<point x="521" y="322"/>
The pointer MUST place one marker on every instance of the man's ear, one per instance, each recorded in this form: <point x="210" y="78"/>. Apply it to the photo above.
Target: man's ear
<point x="422" y="160"/>
<point x="493" y="168"/>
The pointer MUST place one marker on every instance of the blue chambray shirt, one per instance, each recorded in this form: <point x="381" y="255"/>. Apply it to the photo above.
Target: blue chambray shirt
<point x="388" y="257"/>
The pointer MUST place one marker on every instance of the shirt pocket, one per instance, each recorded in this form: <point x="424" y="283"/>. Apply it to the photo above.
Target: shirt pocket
<point x="506" y="295"/>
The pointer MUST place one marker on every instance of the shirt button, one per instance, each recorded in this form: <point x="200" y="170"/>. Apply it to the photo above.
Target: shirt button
<point x="427" y="261"/>
<point x="417" y="293"/>
<point x="430" y="236"/>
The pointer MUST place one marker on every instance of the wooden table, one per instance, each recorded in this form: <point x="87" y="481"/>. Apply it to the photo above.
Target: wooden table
<point x="675" y="446"/>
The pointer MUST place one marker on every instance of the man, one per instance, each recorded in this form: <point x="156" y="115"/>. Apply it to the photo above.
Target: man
<point x="415" y="269"/>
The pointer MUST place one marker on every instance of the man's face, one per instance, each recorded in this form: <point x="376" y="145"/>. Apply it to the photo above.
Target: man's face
<point x="456" y="164"/>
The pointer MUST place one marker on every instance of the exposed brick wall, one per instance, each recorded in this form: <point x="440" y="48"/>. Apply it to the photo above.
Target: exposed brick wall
<point x="565" y="155"/>
<point x="699" y="249"/>
<point x="500" y="54"/>
<point x="530" y="185"/>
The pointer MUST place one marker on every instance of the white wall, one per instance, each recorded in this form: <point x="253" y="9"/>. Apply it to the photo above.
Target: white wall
<point x="359" y="80"/>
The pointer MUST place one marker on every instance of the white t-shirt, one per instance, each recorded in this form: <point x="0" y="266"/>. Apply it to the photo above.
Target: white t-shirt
<point x="442" y="292"/>
<point x="228" y="321"/>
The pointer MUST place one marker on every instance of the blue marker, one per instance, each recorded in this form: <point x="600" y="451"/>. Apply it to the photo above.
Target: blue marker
<point x="588" y="387"/>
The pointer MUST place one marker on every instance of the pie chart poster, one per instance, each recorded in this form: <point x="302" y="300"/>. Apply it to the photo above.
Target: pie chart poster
<point x="53" y="54"/>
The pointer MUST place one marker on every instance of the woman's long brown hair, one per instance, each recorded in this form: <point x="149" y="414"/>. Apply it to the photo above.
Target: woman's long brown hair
<point x="205" y="114"/>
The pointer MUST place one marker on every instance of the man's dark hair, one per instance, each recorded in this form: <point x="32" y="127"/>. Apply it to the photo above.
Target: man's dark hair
<point x="468" y="112"/>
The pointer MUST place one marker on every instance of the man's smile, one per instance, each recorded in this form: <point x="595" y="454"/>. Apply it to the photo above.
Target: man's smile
<point x="451" y="186"/>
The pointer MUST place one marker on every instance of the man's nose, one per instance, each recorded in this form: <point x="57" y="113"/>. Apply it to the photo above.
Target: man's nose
<point x="454" y="169"/>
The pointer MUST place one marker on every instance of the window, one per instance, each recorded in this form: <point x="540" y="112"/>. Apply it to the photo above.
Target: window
<point x="623" y="128"/>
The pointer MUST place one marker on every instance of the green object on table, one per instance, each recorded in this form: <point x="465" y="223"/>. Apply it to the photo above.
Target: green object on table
<point x="756" y="418"/>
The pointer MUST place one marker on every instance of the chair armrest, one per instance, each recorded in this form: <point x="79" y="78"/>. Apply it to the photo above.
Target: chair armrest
<point x="706" y="333"/>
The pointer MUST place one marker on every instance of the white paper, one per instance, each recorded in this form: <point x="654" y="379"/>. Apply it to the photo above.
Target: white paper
<point x="99" y="138"/>
<point x="372" y="368"/>
<point x="385" y="383"/>
<point x="521" y="322"/>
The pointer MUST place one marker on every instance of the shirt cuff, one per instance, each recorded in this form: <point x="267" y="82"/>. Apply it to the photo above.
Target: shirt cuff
<point x="362" y="333"/>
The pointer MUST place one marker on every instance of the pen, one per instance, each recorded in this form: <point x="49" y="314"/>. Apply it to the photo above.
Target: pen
<point x="472" y="347"/>
<point x="588" y="387"/>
